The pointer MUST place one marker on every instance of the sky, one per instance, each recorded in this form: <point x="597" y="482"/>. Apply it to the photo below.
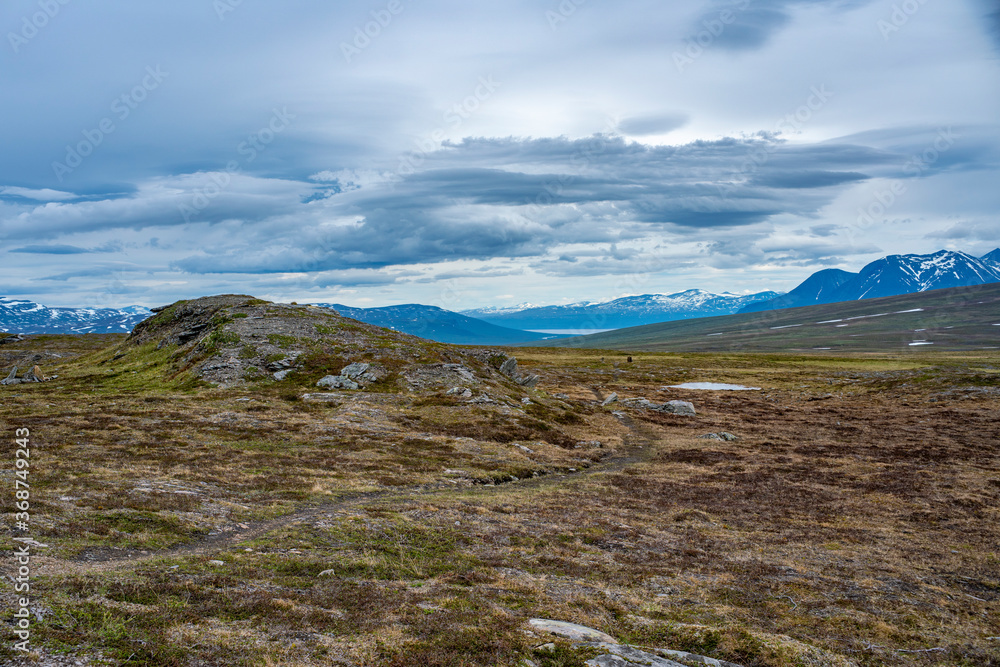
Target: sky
<point x="469" y="154"/>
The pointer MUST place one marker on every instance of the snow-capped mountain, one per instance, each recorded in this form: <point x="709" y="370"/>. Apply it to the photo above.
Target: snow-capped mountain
<point x="819" y="285"/>
<point x="992" y="259"/>
<point x="28" y="317"/>
<point x="437" y="324"/>
<point x="627" y="311"/>
<point x="891" y="276"/>
<point x="904" y="274"/>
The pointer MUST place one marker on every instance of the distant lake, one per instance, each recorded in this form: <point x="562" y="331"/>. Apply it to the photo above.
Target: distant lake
<point x="570" y="332"/>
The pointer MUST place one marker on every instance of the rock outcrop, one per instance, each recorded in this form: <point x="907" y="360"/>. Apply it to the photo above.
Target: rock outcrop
<point x="32" y="376"/>
<point x="683" y="408"/>
<point x="509" y="368"/>
<point x="615" y="654"/>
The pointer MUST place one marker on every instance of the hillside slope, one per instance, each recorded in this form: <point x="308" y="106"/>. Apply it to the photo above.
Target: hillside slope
<point x="961" y="318"/>
<point x="890" y="276"/>
<point x="815" y="289"/>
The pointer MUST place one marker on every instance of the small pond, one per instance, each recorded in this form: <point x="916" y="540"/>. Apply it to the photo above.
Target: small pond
<point x="713" y="386"/>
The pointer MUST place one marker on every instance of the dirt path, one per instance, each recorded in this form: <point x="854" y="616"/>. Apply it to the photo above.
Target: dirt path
<point x="638" y="448"/>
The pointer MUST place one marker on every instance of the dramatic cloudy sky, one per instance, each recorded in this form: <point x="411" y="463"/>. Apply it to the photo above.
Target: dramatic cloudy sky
<point x="465" y="154"/>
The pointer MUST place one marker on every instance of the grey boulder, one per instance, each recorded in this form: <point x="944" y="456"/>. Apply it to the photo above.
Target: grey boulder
<point x="579" y="633"/>
<point x="722" y="436"/>
<point x="684" y="408"/>
<point x="337" y="382"/>
<point x="509" y="368"/>
<point x="359" y="372"/>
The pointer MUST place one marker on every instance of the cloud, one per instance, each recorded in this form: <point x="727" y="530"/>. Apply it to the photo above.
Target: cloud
<point x="968" y="231"/>
<point x="55" y="249"/>
<point x="807" y="179"/>
<point x="653" y="124"/>
<point x="51" y="250"/>
<point x="481" y="199"/>
<point x="744" y="25"/>
<point x="43" y="194"/>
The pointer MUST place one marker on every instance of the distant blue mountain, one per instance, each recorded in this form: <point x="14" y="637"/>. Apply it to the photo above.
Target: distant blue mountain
<point x="438" y="324"/>
<point x="631" y="311"/>
<point x="890" y="276"/>
<point x="992" y="259"/>
<point x="28" y="317"/>
<point x="817" y="286"/>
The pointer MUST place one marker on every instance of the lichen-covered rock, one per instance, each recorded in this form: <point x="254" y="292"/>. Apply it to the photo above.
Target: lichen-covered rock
<point x="684" y="408"/>
<point x="572" y="631"/>
<point x="338" y="382"/>
<point x="509" y="368"/>
<point x="722" y="436"/>
<point x="529" y="381"/>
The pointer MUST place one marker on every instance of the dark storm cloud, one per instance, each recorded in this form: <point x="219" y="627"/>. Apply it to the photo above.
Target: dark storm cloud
<point x="742" y="25"/>
<point x="418" y="162"/>
<point x="596" y="189"/>
<point x="991" y="14"/>
<point x="51" y="250"/>
<point x="807" y="179"/>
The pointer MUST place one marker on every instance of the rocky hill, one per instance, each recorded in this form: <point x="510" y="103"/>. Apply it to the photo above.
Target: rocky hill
<point x="239" y="341"/>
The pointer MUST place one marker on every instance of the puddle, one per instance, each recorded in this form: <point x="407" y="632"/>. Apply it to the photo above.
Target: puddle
<point x="713" y="386"/>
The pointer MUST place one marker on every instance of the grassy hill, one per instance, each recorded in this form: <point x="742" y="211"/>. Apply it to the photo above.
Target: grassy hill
<point x="961" y="318"/>
<point x="193" y="505"/>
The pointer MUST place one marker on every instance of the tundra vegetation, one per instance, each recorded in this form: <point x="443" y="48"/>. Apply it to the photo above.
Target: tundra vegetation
<point x="199" y="511"/>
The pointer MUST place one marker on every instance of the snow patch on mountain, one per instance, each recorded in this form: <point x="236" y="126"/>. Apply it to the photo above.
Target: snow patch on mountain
<point x="28" y="317"/>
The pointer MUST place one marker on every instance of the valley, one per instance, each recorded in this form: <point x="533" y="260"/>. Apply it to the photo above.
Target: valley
<point x="195" y="509"/>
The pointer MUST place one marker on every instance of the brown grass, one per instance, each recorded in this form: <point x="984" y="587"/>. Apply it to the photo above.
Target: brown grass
<point x="855" y="521"/>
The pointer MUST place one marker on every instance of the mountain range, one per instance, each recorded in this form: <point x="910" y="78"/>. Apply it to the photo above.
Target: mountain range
<point x="627" y="311"/>
<point x="438" y="324"/>
<point x="28" y="317"/>
<point x="889" y="276"/>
